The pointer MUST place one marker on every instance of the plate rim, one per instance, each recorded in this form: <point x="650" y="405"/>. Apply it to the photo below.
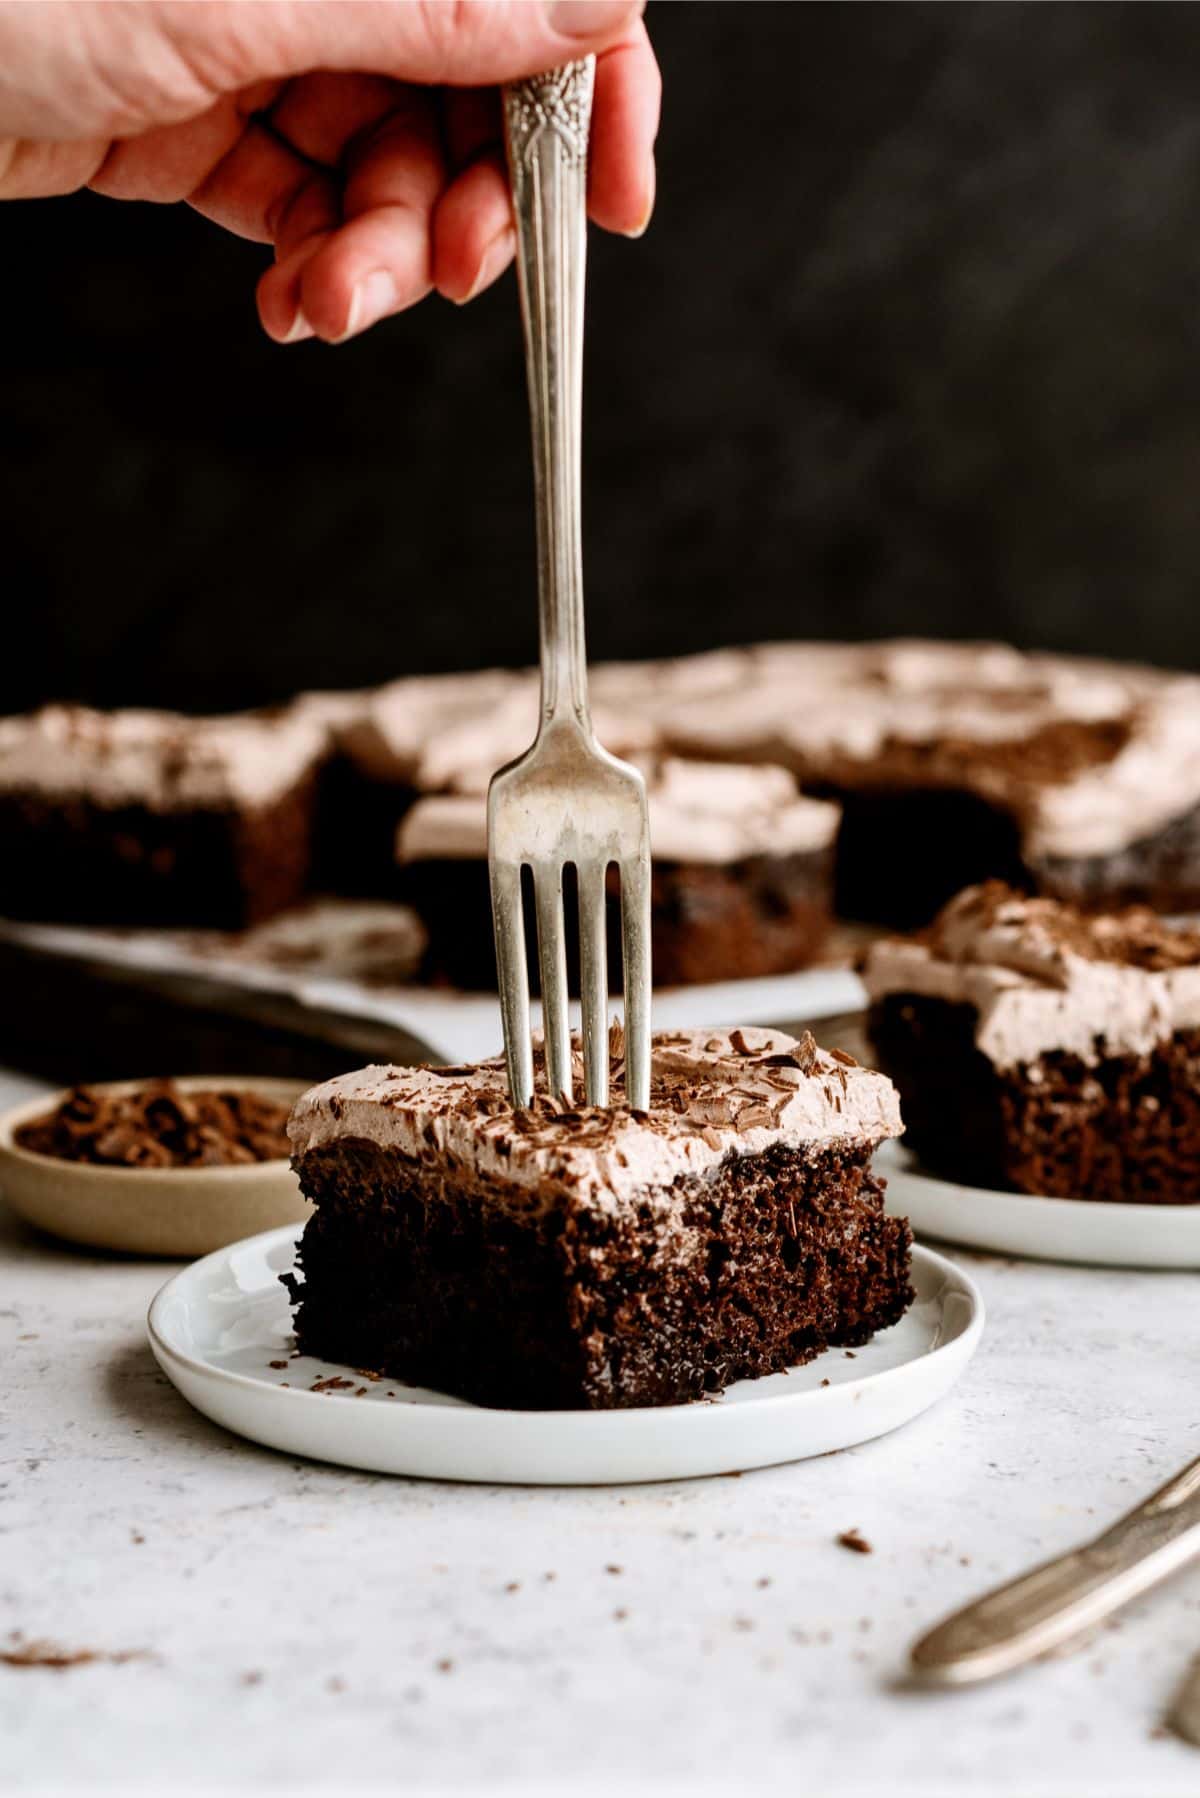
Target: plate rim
<point x="964" y="1344"/>
<point x="1124" y="1210"/>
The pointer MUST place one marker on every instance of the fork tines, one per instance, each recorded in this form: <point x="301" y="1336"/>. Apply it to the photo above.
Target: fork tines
<point x="590" y="815"/>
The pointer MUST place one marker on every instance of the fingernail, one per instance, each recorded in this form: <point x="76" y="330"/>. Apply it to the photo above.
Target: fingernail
<point x="639" y="230"/>
<point x="373" y="299"/>
<point x="588" y="18"/>
<point x="494" y="258"/>
<point x="298" y="329"/>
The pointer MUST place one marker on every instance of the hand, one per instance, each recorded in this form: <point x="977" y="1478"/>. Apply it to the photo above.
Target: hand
<point x="362" y="138"/>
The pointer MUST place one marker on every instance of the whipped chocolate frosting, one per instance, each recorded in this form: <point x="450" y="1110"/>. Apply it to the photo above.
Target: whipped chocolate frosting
<point x="1045" y="978"/>
<point x="162" y="760"/>
<point x="450" y="732"/>
<point x="714" y="1095"/>
<point x="712" y="812"/>
<point x="1089" y="756"/>
<point x="391" y="733"/>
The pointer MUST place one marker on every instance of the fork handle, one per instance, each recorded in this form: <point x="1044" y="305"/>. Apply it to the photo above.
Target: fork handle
<point x="546" y="123"/>
<point x="1044" y="1609"/>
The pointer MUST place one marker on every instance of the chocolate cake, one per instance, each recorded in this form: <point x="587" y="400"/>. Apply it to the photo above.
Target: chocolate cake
<point x="952" y="762"/>
<point x="1046" y="1050"/>
<point x="558" y="1257"/>
<point x="959" y="762"/>
<point x="150" y="817"/>
<point x="742" y="880"/>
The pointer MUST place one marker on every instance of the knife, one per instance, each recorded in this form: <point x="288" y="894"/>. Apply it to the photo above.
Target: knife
<point x="1043" y="1609"/>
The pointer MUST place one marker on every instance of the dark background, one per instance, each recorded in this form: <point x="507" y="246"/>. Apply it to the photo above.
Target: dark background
<point x="911" y="346"/>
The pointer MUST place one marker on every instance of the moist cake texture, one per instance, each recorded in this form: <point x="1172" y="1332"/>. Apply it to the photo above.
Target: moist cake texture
<point x="741" y="882"/>
<point x="562" y="1256"/>
<point x="1042" y="1048"/>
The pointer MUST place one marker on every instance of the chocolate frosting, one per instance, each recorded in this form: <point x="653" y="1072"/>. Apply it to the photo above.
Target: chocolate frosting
<point x="715" y="1094"/>
<point x="162" y="760"/>
<point x="1087" y="755"/>
<point x="1045" y="978"/>
<point x="711" y="812"/>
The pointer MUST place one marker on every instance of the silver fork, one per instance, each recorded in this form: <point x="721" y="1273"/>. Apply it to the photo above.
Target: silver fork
<point x="566" y="800"/>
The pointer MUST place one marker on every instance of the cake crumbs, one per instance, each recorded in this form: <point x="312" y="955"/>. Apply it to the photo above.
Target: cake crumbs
<point x="620" y="1614"/>
<point x="613" y="1568"/>
<point x="855" y="1540"/>
<point x="277" y="1364"/>
<point x="445" y="1665"/>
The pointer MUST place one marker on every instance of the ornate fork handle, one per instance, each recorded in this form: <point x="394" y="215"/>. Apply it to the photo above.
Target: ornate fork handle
<point x="546" y="127"/>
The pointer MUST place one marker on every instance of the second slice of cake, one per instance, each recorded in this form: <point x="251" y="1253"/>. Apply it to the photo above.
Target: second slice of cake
<point x="554" y="1257"/>
<point x="1044" y="1049"/>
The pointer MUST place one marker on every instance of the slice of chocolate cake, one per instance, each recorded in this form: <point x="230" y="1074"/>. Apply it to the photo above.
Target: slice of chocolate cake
<point x="1039" y="1048"/>
<point x="558" y="1257"/>
<point x="154" y="818"/>
<point x="741" y="884"/>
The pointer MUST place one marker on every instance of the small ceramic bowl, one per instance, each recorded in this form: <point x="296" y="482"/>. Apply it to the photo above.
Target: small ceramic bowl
<point x="178" y="1211"/>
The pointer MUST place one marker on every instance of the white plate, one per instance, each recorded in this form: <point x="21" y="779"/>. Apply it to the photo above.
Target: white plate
<point x="1014" y="1223"/>
<point x="216" y="1327"/>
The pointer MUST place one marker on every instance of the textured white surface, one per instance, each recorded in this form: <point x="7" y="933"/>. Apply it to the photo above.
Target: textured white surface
<point x="339" y="1632"/>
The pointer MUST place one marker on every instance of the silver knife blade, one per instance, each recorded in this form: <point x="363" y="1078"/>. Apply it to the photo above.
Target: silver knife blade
<point x="1043" y="1609"/>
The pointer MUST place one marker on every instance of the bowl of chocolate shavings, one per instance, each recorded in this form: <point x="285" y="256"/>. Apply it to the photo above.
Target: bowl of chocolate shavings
<point x="154" y="1167"/>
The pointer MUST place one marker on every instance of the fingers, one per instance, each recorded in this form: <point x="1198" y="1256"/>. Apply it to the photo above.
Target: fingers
<point x="473" y="232"/>
<point x="31" y="169"/>
<point x="250" y="188"/>
<point x="427" y="41"/>
<point x="625" y="113"/>
<point x="472" y="122"/>
<point x="473" y="236"/>
<point x="379" y="259"/>
<point x="320" y="114"/>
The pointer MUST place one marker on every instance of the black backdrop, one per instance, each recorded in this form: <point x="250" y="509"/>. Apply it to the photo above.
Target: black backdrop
<point x="910" y="346"/>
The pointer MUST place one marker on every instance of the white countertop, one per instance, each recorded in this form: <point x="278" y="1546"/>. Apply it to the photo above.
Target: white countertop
<point x="332" y="1631"/>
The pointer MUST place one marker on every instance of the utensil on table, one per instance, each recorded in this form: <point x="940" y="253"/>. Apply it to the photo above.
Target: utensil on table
<point x="566" y="801"/>
<point x="1065" y="1597"/>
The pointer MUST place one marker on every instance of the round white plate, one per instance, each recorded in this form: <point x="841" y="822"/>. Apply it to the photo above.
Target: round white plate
<point x="216" y="1328"/>
<point x="1013" y="1223"/>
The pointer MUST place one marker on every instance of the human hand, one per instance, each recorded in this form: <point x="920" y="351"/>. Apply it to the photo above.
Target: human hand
<point x="362" y="138"/>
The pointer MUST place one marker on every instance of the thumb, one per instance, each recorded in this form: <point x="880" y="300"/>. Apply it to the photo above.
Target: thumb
<point x="465" y="43"/>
